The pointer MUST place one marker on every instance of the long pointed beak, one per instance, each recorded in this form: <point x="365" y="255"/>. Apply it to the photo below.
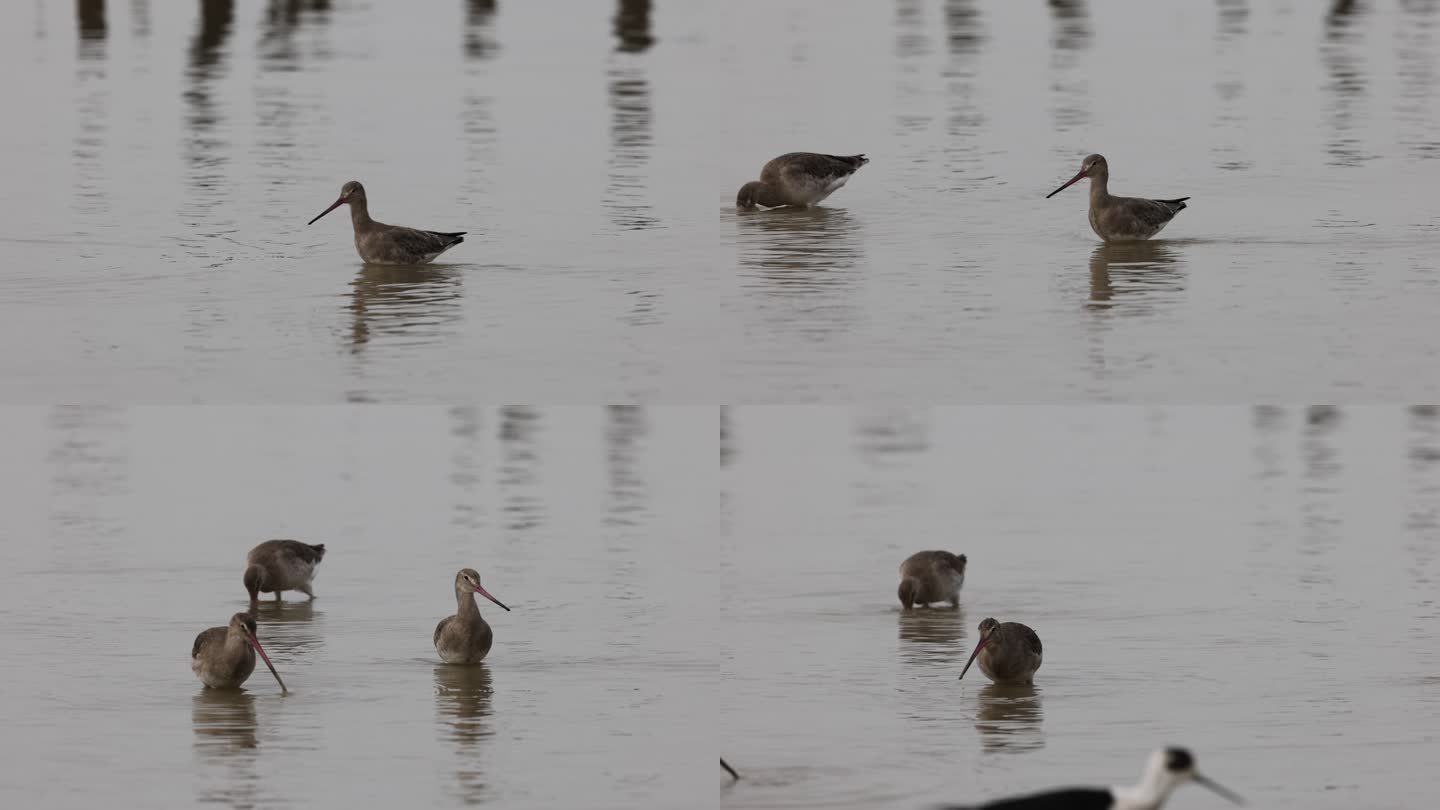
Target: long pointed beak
<point x="1077" y="178"/>
<point x="487" y="595"/>
<point x="728" y="769"/>
<point x="972" y="659"/>
<point x="254" y="642"/>
<point x="1215" y="786"/>
<point x="332" y="207"/>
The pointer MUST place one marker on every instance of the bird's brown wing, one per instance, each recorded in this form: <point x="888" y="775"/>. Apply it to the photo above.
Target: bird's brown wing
<point x="304" y="551"/>
<point x="215" y="635"/>
<point x="922" y="563"/>
<point x="440" y="628"/>
<point x="286" y="548"/>
<point x="424" y="243"/>
<point x="810" y="167"/>
<point x="1153" y="213"/>
<point x="1032" y="641"/>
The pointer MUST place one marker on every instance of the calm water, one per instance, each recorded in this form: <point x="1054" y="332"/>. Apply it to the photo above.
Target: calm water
<point x="125" y="532"/>
<point x="1259" y="585"/>
<point x="161" y="161"/>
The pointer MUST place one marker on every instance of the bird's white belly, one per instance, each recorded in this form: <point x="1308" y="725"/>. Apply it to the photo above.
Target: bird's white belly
<point x="821" y="192"/>
<point x="952" y="584"/>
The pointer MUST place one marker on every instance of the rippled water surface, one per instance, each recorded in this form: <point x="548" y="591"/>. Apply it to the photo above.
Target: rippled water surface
<point x="125" y="532"/>
<point x="1258" y="585"/>
<point x="161" y="161"/>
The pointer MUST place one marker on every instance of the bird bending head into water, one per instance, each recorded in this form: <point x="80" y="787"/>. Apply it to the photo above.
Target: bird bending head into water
<point x="281" y="565"/>
<point x="931" y="576"/>
<point x="799" y="179"/>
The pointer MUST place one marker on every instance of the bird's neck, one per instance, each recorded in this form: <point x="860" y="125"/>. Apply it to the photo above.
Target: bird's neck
<point x="360" y="215"/>
<point x="465" y="606"/>
<point x="767" y="195"/>
<point x="1152" y="791"/>
<point x="235" y="643"/>
<point x="1099" y="188"/>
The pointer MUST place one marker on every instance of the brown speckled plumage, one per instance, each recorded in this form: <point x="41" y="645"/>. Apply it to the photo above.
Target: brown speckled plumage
<point x="1008" y="653"/>
<point x="931" y="576"/>
<point x="465" y="638"/>
<point x="378" y="243"/>
<point x="1121" y="219"/>
<point x="221" y="657"/>
<point x="798" y="178"/>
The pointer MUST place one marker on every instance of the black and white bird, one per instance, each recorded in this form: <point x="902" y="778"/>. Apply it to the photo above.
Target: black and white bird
<point x="1166" y="769"/>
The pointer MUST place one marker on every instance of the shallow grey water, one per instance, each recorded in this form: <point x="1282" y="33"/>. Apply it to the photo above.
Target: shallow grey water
<point x="161" y="161"/>
<point x="1305" y="136"/>
<point x="161" y="167"/>
<point x="125" y="532"/>
<point x="1258" y="585"/>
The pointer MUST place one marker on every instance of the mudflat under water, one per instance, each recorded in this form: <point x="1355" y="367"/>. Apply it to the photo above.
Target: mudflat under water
<point x="1258" y="585"/>
<point x="161" y="161"/>
<point x="125" y="532"/>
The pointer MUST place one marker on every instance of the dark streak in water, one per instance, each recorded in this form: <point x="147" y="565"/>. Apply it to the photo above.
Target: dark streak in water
<point x="463" y="696"/>
<point x="479" y="34"/>
<point x="1133" y="278"/>
<point x="1070" y="85"/>
<point x="403" y="302"/>
<point x="519" y="472"/>
<point x="964" y="119"/>
<point x="631" y="120"/>
<point x="632" y="26"/>
<point x="627" y="425"/>
<point x="1072" y="25"/>
<point x="227" y="739"/>
<point x="466" y="462"/>
<point x="1231" y="18"/>
<point x="1342" y="53"/>
<point x="140" y="18"/>
<point x="90" y="21"/>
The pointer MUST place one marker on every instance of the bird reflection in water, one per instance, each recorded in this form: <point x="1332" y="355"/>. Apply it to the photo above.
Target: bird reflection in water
<point x="403" y="300"/>
<point x="479" y="37"/>
<point x="1008" y="719"/>
<point x="90" y="19"/>
<point x="934" y="635"/>
<point x="799" y="249"/>
<point x="289" y="628"/>
<point x="1134" y="274"/>
<point x="462" y="709"/>
<point x="226" y="737"/>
